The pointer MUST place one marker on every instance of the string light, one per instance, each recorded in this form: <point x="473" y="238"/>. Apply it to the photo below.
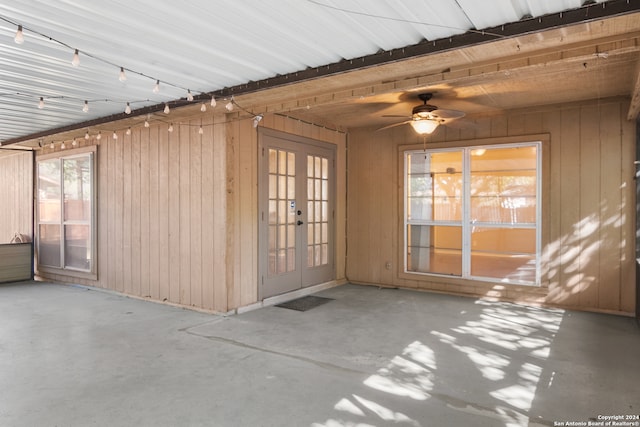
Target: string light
<point x="229" y="105"/>
<point x="166" y="109"/>
<point x="257" y="120"/>
<point x="76" y="59"/>
<point x="74" y="143"/>
<point x="200" y="130"/>
<point x="41" y="103"/>
<point x="128" y="130"/>
<point x="170" y="128"/>
<point x="19" y="38"/>
<point x="156" y="87"/>
<point x="63" y="146"/>
<point x="127" y="109"/>
<point x="122" y="77"/>
<point x="203" y="108"/>
<point x="189" y="95"/>
<point x="115" y="135"/>
<point x="213" y="101"/>
<point x="85" y="108"/>
<point x="146" y="123"/>
<point x="86" y="135"/>
<point x="98" y="136"/>
<point x="52" y="146"/>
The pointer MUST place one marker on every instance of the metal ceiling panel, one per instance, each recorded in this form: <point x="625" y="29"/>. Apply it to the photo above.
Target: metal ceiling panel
<point x="203" y="46"/>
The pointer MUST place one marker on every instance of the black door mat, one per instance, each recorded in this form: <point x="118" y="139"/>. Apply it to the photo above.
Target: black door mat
<point x="304" y="303"/>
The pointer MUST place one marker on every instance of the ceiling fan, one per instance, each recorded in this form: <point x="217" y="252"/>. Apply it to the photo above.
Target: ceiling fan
<point x="425" y="118"/>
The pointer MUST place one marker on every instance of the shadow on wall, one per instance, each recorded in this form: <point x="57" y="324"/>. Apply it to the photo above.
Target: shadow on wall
<point x="585" y="264"/>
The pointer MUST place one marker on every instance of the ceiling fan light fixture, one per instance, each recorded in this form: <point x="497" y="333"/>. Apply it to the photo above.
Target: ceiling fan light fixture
<point x="424" y="126"/>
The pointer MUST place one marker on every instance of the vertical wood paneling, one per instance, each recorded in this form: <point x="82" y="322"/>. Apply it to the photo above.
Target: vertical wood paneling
<point x="119" y="219"/>
<point x="16" y="176"/>
<point x="163" y="218"/>
<point x="145" y="203"/>
<point x="248" y="212"/>
<point x="570" y="203"/>
<point x="588" y="205"/>
<point x="124" y="142"/>
<point x="220" y="248"/>
<point x="184" y="230"/>
<point x="628" y="235"/>
<point x="208" y="223"/>
<point x="589" y="225"/>
<point x="136" y="209"/>
<point x="611" y="209"/>
<point x="155" y="238"/>
<point x="196" y="222"/>
<point x="175" y="199"/>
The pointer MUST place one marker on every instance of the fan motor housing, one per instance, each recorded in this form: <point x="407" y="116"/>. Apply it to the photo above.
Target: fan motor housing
<point x="423" y="111"/>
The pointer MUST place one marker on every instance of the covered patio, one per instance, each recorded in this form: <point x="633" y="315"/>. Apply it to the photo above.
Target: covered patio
<point x="73" y="355"/>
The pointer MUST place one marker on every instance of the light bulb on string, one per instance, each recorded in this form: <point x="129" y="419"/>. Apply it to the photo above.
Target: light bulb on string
<point x="257" y="120"/>
<point x="74" y="143"/>
<point x="203" y="107"/>
<point x="41" y="103"/>
<point x="156" y="87"/>
<point x="170" y="128"/>
<point x="85" y="108"/>
<point x="200" y="130"/>
<point x="122" y="77"/>
<point x="99" y="136"/>
<point x="229" y="105"/>
<point x="63" y="146"/>
<point x="19" y="38"/>
<point x="213" y="101"/>
<point x="127" y="109"/>
<point x="115" y="135"/>
<point x="76" y="58"/>
<point x="166" y="109"/>
<point x="86" y="135"/>
<point x="128" y="131"/>
<point x="189" y="95"/>
<point x="52" y="146"/>
<point x="146" y="121"/>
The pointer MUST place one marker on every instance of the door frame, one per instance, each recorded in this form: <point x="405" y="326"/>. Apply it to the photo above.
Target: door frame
<point x="289" y="138"/>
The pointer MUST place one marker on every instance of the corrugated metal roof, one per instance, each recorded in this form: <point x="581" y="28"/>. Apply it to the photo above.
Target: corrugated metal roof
<point x="203" y="46"/>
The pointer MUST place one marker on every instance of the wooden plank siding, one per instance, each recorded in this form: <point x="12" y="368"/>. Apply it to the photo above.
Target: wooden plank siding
<point x="588" y="225"/>
<point x="177" y="211"/>
<point x="161" y="214"/>
<point x="16" y="193"/>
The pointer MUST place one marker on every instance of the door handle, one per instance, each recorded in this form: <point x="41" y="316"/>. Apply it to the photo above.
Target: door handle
<point x="300" y="222"/>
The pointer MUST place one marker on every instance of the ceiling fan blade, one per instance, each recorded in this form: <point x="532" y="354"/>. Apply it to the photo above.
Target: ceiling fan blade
<point x="394" y="125"/>
<point x="447" y="114"/>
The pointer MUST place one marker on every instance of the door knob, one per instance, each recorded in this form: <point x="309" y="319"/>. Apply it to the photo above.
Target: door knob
<point x="300" y="222"/>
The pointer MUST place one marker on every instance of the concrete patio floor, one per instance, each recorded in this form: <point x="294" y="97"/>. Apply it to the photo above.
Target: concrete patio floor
<point x="74" y="356"/>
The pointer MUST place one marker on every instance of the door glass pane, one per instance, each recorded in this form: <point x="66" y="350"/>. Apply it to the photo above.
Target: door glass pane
<point x="317" y="210"/>
<point x="282" y="211"/>
<point x="49" y="245"/>
<point x="434" y="249"/>
<point x="49" y="191"/>
<point x="77" y="246"/>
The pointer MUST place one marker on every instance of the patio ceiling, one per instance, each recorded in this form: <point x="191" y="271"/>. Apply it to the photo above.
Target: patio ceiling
<point x="216" y="47"/>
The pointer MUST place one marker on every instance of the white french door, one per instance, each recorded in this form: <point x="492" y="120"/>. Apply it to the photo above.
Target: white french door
<point x="296" y="229"/>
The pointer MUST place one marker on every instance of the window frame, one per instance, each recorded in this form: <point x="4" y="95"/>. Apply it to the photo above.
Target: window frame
<point x="465" y="224"/>
<point x="91" y="273"/>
